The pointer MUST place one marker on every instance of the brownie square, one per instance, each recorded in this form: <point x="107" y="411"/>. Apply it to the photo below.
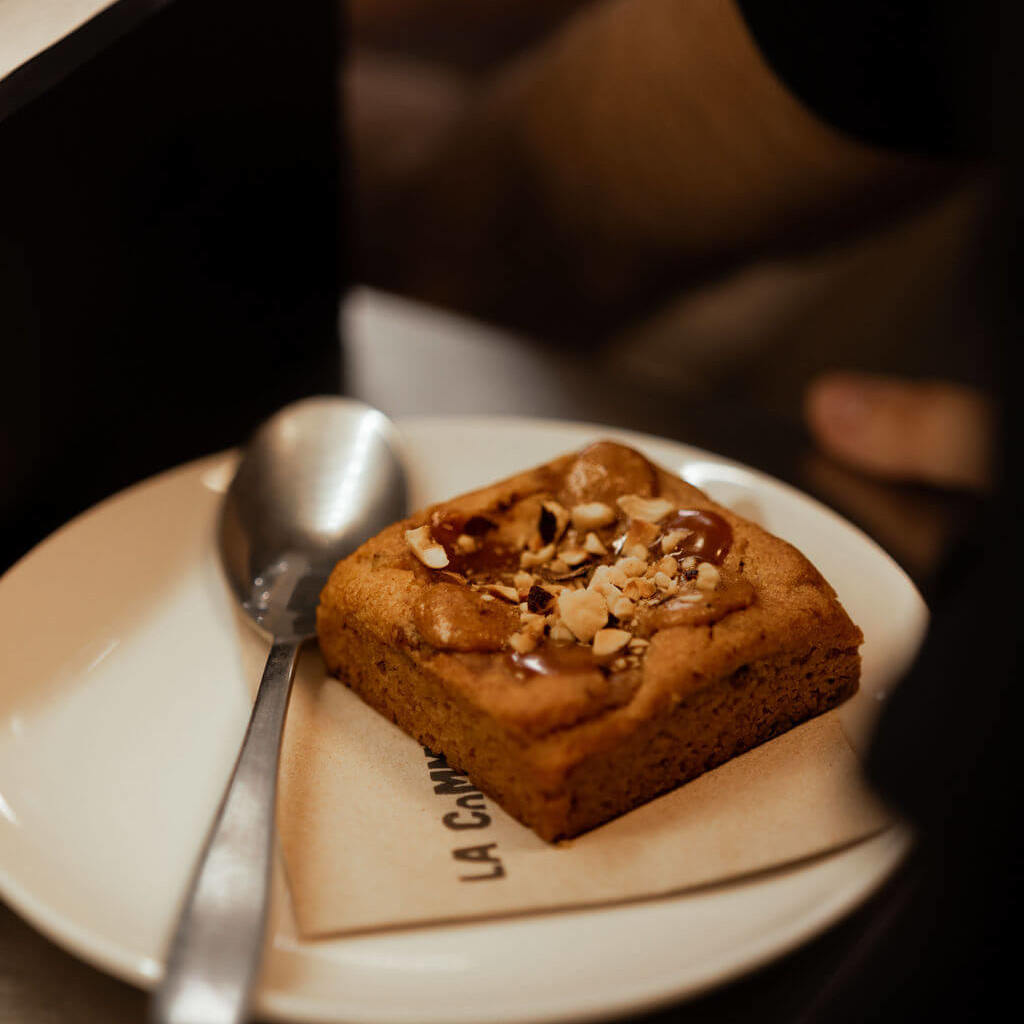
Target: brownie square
<point x="586" y="635"/>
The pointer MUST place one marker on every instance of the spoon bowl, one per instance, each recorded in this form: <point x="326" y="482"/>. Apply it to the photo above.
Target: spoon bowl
<point x="316" y="480"/>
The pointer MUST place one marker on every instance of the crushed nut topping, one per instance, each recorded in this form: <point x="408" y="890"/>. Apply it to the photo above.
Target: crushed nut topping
<point x="592" y="516"/>
<point x="523" y="642"/>
<point x="573" y="556"/>
<point x="607" y="574"/>
<point x="707" y="576"/>
<point x="561" y="633"/>
<point x="593" y="575"/>
<point x="673" y="539"/>
<point x="651" y="510"/>
<point x="531" y="559"/>
<point x="610" y="641"/>
<point x="553" y="521"/>
<point x="609" y="592"/>
<point x="425" y="548"/>
<point x="664" y="583"/>
<point x="668" y="565"/>
<point x="632" y="565"/>
<point x="584" y="612"/>
<point x="640" y="534"/>
<point x="539" y="599"/>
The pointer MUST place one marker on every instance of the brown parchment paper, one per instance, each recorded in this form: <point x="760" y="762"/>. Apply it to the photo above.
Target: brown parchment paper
<point x="374" y="835"/>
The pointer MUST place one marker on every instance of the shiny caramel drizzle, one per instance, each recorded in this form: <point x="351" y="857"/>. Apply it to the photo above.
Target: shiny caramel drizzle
<point x="552" y="659"/>
<point x="696" y="608"/>
<point x="492" y="556"/>
<point x="455" y="618"/>
<point x="709" y="536"/>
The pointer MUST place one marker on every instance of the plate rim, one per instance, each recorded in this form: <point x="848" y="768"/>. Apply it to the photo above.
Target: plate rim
<point x="143" y="971"/>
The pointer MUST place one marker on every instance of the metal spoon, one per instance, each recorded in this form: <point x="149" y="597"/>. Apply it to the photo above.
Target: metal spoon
<point x="316" y="480"/>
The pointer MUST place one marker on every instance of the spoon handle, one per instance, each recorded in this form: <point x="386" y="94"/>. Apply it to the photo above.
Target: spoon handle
<point x="218" y="942"/>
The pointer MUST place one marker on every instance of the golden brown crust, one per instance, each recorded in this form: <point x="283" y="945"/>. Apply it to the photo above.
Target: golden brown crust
<point x="563" y="751"/>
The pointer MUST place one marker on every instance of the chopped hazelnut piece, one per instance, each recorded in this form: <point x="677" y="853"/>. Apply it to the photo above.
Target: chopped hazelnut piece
<point x="647" y="588"/>
<point x="606" y="574"/>
<point x="559" y="567"/>
<point x="466" y="544"/>
<point x="632" y="565"/>
<point x="640" y="533"/>
<point x="584" y="612"/>
<point x="632" y="590"/>
<point x="707" y="576"/>
<point x="651" y="510"/>
<point x="668" y="565"/>
<point x="624" y="609"/>
<point x="635" y="551"/>
<point x="530" y="559"/>
<point x="523" y="580"/>
<point x="425" y="548"/>
<point x="529" y="636"/>
<point x="505" y="593"/>
<point x="592" y="545"/>
<point x="638" y="644"/>
<point x="561" y="633"/>
<point x="592" y="516"/>
<point x="553" y="521"/>
<point x="673" y="539"/>
<point x="610" y="641"/>
<point x="573" y="556"/>
<point x="664" y="583"/>
<point x="539" y="599"/>
<point x="523" y="642"/>
<point x="609" y="592"/>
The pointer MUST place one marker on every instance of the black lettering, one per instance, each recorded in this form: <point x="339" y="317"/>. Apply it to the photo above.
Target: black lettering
<point x="449" y="782"/>
<point x="434" y="760"/>
<point x="478" y="855"/>
<point x="472" y="802"/>
<point x="478" y="820"/>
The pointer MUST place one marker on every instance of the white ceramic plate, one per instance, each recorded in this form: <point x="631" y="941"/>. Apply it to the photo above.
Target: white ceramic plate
<point x="123" y="702"/>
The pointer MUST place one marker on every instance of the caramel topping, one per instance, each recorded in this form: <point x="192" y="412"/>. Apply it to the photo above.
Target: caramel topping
<point x="490" y="557"/>
<point x="695" y="608"/>
<point x="455" y="618"/>
<point x="556" y="659"/>
<point x="708" y="535"/>
<point x="604" y="471"/>
<point x="598" y="541"/>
